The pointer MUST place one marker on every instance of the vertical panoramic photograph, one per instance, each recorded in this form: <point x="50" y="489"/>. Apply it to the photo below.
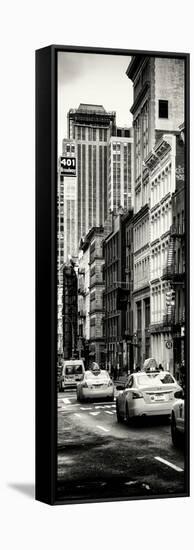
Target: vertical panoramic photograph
<point x="121" y="276"/>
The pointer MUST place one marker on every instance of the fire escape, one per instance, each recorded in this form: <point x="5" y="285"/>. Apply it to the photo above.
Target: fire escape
<point x="175" y="274"/>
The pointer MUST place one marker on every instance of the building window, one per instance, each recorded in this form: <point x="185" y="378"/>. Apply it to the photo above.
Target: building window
<point x="163" y="108"/>
<point x="138" y="315"/>
<point x="147" y="312"/>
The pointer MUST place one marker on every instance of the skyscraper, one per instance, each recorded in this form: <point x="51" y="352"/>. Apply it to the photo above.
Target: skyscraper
<point x="67" y="203"/>
<point x="120" y="170"/>
<point x="91" y="127"/>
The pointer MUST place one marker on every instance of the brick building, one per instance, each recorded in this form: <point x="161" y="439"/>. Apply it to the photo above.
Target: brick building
<point x="178" y="266"/>
<point x="116" y="294"/>
<point x="91" y="288"/>
<point x="127" y="223"/>
<point x="69" y="311"/>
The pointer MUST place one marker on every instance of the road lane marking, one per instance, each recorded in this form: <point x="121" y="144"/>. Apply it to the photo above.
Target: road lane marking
<point x="102" y="403"/>
<point x="66" y="400"/>
<point x="104" y="406"/>
<point x="109" y="412"/>
<point x="168" y="464"/>
<point x="77" y="414"/>
<point x="102" y="428"/>
<point x="95" y="413"/>
<point x="85" y="408"/>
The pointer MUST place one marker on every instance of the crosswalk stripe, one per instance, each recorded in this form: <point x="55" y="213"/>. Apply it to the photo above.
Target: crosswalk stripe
<point x="94" y="413"/>
<point x="102" y="428"/>
<point x="109" y="412"/>
<point x="170" y="464"/>
<point x="66" y="400"/>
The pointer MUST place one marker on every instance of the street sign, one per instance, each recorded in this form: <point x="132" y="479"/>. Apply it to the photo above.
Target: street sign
<point x="67" y="166"/>
<point x="169" y="344"/>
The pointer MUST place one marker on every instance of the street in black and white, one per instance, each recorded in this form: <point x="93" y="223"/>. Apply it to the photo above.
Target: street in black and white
<point x="97" y="457"/>
<point x="121" y="271"/>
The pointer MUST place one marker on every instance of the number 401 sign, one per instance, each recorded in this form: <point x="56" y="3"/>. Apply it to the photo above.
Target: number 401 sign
<point x="68" y="165"/>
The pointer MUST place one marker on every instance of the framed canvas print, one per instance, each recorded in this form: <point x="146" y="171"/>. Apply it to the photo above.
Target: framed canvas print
<point x="112" y="274"/>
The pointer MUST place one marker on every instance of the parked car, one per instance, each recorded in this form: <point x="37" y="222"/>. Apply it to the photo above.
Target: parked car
<point x="178" y="418"/>
<point x="146" y="394"/>
<point x="96" y="384"/>
<point x="72" y="372"/>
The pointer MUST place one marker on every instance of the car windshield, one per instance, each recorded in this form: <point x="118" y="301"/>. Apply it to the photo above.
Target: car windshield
<point x="73" y="369"/>
<point x="152" y="379"/>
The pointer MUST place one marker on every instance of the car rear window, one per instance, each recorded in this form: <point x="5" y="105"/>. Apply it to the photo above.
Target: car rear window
<point x="155" y="378"/>
<point x="166" y="378"/>
<point x="73" y="369"/>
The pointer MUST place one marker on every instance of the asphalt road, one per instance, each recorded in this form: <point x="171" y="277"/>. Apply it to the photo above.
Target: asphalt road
<point x="99" y="458"/>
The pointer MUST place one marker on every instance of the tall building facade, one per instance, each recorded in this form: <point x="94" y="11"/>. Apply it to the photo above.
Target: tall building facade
<point x="129" y="277"/>
<point x="177" y="268"/>
<point x="84" y="297"/>
<point x="67" y="203"/>
<point x="158" y="108"/>
<point x="91" y="289"/>
<point x="70" y="202"/>
<point x="120" y="170"/>
<point x="161" y="163"/>
<point x="115" y="292"/>
<point x="91" y="127"/>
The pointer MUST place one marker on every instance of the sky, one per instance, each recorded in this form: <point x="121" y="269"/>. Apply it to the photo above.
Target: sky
<point x="96" y="79"/>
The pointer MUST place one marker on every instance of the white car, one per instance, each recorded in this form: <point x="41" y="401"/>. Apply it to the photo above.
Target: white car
<point x="96" y="384"/>
<point x="72" y="372"/>
<point x="146" y="394"/>
<point x="178" y="418"/>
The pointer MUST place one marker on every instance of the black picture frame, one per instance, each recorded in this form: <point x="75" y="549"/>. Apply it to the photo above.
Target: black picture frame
<point x="46" y="276"/>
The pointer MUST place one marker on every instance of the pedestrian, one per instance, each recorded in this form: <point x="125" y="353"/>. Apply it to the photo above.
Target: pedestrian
<point x="160" y="367"/>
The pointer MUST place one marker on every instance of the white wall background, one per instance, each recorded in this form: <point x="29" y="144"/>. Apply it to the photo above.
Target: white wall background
<point x="26" y="524"/>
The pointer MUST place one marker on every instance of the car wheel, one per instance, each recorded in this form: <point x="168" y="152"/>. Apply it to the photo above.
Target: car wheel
<point x="111" y="398"/>
<point x="119" y="416"/>
<point x="174" y="432"/>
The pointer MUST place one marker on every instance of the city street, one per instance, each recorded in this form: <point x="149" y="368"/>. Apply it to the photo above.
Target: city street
<point x="99" y="458"/>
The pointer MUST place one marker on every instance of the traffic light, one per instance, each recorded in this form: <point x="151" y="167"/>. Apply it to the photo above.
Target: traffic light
<point x="170" y="297"/>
